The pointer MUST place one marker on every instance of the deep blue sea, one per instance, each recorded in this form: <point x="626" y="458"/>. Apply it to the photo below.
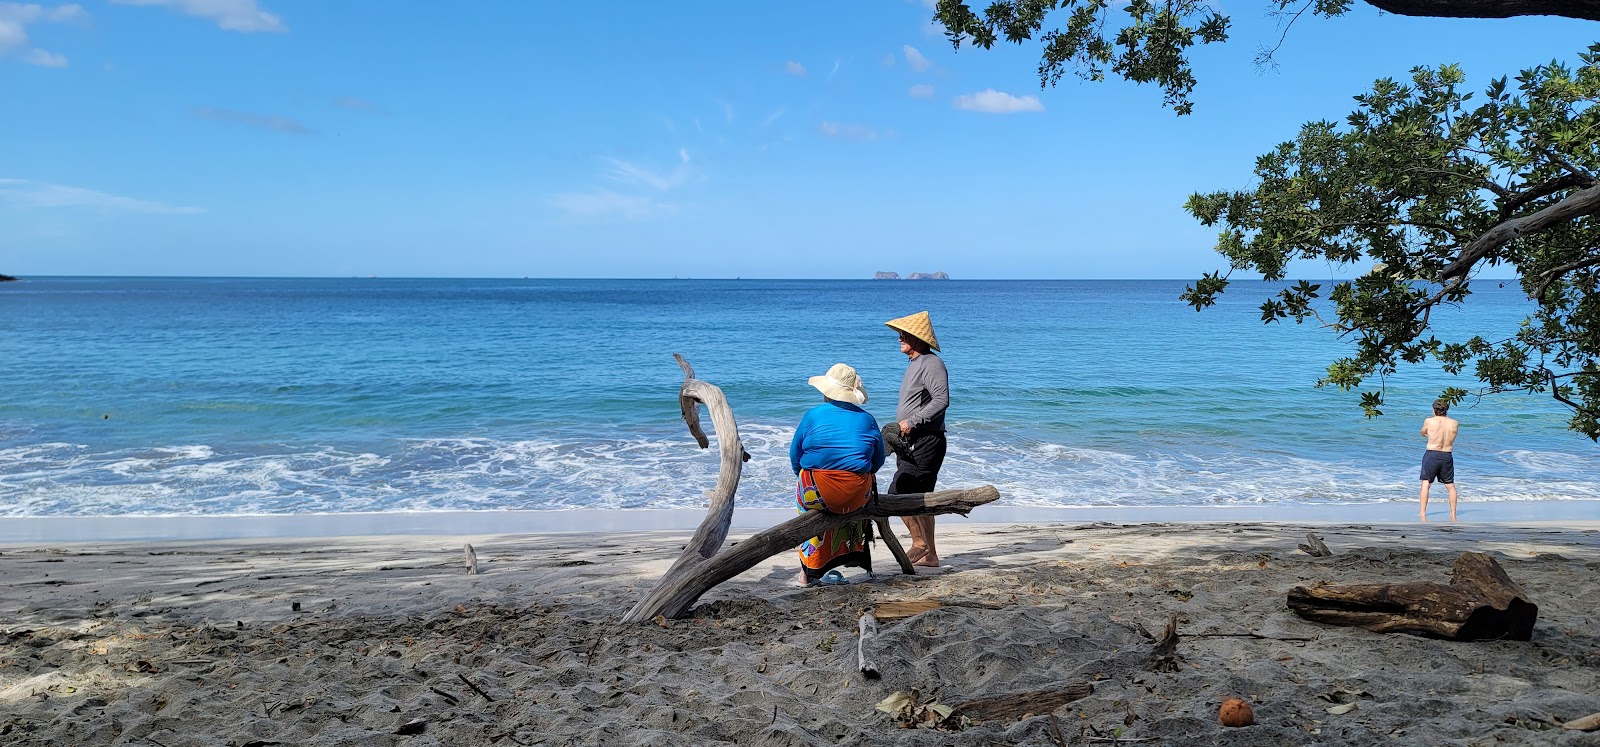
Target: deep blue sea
<point x="245" y="396"/>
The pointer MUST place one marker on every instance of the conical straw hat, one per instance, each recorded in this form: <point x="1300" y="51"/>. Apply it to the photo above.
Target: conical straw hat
<point x="918" y="325"/>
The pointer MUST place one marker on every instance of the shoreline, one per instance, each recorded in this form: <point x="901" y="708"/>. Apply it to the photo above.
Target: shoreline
<point x="56" y="529"/>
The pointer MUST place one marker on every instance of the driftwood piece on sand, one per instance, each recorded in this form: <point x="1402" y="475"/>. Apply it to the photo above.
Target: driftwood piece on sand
<point x="1480" y="603"/>
<point x="869" y="630"/>
<point x="702" y="567"/>
<point x="1315" y="548"/>
<point x="1013" y="706"/>
<point x="472" y="561"/>
<point x="892" y="611"/>
<point x="1590" y="722"/>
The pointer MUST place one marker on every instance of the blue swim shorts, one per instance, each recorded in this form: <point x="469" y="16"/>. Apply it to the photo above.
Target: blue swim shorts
<point x="1440" y="465"/>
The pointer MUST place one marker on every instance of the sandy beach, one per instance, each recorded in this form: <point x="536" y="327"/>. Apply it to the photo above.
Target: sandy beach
<point x="387" y="641"/>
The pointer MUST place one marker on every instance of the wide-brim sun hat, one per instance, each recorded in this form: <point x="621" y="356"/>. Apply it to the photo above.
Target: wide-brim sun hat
<point x="918" y="325"/>
<point x="840" y="383"/>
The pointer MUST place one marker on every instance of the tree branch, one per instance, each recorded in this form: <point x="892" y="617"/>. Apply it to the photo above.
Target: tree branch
<point x="1588" y="10"/>
<point x="1544" y="189"/>
<point x="1580" y="203"/>
<point x="1551" y="275"/>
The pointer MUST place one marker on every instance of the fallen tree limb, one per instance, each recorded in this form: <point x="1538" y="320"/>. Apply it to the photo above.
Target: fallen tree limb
<point x="1481" y="603"/>
<point x="869" y="630"/>
<point x="702" y="567"/>
<point x="899" y="553"/>
<point x="1315" y="548"/>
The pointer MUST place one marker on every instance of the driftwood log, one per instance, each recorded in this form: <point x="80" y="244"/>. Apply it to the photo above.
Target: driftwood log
<point x="1480" y="603"/>
<point x="1013" y="706"/>
<point x="702" y="566"/>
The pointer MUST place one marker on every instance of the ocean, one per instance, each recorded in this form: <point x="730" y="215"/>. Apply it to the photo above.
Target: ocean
<point x="225" y="396"/>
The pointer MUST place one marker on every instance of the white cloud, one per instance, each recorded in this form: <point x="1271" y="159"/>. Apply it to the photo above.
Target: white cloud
<point x="915" y="59"/>
<point x="605" y="203"/>
<point x="773" y="117"/>
<point x="15" y="19"/>
<point x="794" y="68"/>
<point x="42" y="58"/>
<point x="356" y="104"/>
<point x="233" y="15"/>
<point x="632" y="173"/>
<point x="32" y="194"/>
<point x="264" y="121"/>
<point x="921" y="91"/>
<point x="997" y="102"/>
<point x="888" y="60"/>
<point x="859" y="133"/>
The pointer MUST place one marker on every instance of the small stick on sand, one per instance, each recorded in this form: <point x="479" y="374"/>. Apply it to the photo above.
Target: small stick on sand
<point x="1247" y="635"/>
<point x="869" y="629"/>
<point x="1315" y="548"/>
<point x="1165" y="657"/>
<point x="474" y="687"/>
<point x="472" y="561"/>
<point x="1055" y="728"/>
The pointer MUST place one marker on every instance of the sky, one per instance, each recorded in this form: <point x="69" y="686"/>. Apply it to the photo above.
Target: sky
<point x="819" y="139"/>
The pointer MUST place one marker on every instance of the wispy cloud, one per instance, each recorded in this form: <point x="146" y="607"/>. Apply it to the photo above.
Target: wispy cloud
<point x="14" y="21"/>
<point x="888" y="59"/>
<point x="794" y="68"/>
<point x="233" y="15"/>
<point x="915" y="59"/>
<point x="264" y="121"/>
<point x="44" y="59"/>
<point x="632" y="173"/>
<point x="773" y="117"/>
<point x="31" y="194"/>
<point x="356" y="104"/>
<point x="921" y="91"/>
<point x="997" y="102"/>
<point x="605" y="203"/>
<point x="858" y="133"/>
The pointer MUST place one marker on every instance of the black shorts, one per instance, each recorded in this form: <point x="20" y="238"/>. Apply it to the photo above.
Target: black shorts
<point x="1440" y="465"/>
<point x="917" y="471"/>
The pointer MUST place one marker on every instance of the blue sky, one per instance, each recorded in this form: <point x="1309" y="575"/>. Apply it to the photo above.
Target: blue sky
<point x="715" y="139"/>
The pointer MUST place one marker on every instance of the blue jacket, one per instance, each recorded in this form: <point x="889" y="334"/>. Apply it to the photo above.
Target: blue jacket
<point x="837" y="435"/>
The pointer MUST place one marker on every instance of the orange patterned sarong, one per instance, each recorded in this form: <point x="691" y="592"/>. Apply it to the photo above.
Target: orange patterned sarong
<point x="837" y="492"/>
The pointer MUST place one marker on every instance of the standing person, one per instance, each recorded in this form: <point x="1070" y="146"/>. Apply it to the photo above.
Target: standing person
<point x="835" y="452"/>
<point x="1439" y="460"/>
<point x="924" y="396"/>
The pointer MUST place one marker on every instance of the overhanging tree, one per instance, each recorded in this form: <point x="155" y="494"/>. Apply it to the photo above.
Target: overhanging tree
<point x="1433" y="191"/>
<point x="1148" y="42"/>
<point x="1414" y="179"/>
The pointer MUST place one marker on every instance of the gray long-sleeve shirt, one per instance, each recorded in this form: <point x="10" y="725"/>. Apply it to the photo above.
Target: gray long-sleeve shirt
<point x="924" y="394"/>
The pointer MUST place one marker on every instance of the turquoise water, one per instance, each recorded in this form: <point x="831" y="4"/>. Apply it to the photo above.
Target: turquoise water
<point x="235" y="396"/>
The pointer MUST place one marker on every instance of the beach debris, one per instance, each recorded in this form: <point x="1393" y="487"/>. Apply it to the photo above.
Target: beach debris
<point x="1590" y="722"/>
<point x="294" y="606"/>
<point x="1019" y="705"/>
<point x="1480" y="603"/>
<point x="1236" y="712"/>
<point x="704" y="563"/>
<point x="474" y="687"/>
<point x="1342" y="709"/>
<point x="1314" y="547"/>
<point x="1165" y="657"/>
<point x="472" y="561"/>
<point x="414" y="726"/>
<point x="868" y="630"/>
<point x="893" y="611"/>
<point x="910" y="712"/>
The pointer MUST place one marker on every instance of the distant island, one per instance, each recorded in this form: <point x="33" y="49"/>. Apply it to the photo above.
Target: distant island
<point x="912" y="276"/>
<point x="7" y="279"/>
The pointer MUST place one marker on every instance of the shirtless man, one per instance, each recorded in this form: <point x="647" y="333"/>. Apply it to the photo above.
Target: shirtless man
<point x="1439" y="460"/>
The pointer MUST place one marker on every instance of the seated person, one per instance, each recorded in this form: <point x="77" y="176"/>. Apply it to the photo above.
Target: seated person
<point x="836" y="450"/>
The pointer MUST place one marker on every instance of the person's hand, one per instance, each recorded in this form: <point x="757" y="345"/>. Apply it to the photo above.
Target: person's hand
<point x="905" y="428"/>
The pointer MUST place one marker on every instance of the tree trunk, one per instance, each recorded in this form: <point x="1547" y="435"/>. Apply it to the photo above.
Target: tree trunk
<point x="1481" y="603"/>
<point x="702" y="567"/>
<point x="1013" y="706"/>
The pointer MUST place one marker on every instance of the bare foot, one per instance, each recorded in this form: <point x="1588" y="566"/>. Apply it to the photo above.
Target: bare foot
<point x="928" y="560"/>
<point x="802" y="581"/>
<point x="915" y="553"/>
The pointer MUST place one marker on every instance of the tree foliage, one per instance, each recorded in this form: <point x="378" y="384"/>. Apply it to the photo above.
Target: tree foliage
<point x="1433" y="189"/>
<point x="1151" y="45"/>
